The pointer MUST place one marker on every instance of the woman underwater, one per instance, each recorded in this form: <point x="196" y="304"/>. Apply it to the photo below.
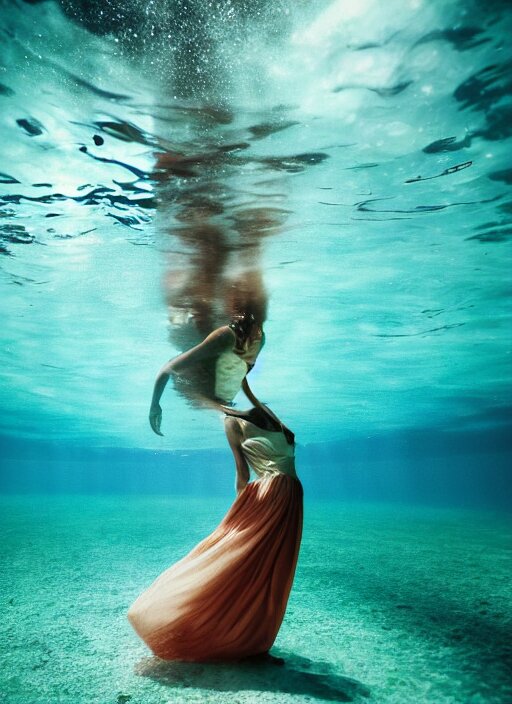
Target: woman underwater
<point x="226" y="599"/>
<point x="212" y="372"/>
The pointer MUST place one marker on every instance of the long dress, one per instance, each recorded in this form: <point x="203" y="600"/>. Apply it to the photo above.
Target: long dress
<point x="226" y="599"/>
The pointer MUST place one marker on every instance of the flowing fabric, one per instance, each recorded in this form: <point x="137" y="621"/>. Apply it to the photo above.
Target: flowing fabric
<point x="226" y="599"/>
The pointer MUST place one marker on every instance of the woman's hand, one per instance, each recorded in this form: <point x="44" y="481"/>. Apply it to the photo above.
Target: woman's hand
<point x="155" y="418"/>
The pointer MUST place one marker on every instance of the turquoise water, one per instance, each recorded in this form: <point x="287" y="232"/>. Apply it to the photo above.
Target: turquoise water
<point x="387" y="295"/>
<point x="390" y="605"/>
<point x="343" y="166"/>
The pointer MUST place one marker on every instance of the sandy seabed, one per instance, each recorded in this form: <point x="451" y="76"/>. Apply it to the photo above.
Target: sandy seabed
<point x="391" y="605"/>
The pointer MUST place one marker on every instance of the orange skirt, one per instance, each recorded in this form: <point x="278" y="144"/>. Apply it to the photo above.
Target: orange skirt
<point x="226" y="599"/>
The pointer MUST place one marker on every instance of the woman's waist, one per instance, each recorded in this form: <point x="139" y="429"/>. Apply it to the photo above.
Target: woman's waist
<point x="272" y="472"/>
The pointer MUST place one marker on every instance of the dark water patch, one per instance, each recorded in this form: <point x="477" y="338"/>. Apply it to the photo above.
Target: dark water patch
<point x="67" y="236"/>
<point x="78" y="80"/>
<point x="91" y="198"/>
<point x="5" y="178"/>
<point x="216" y="114"/>
<point x="31" y="126"/>
<point x="387" y="92"/>
<point x="95" y="196"/>
<point x="126" y="132"/>
<point x="500" y="233"/>
<point x="22" y="280"/>
<point x="148" y="202"/>
<point x="134" y="170"/>
<point x="506" y="207"/>
<point x="102" y="18"/>
<point x="434" y="312"/>
<point x="505" y="176"/>
<point x="196" y="164"/>
<point x="499" y="123"/>
<point x="422" y="332"/>
<point x="207" y="115"/>
<point x="493" y="416"/>
<point x="295" y="164"/>
<point x="461" y="38"/>
<point x="98" y="140"/>
<point x="364" y="47"/>
<point x="392" y="90"/>
<point x="16" y="234"/>
<point x="448" y="144"/>
<point x="127" y="220"/>
<point x="185" y="166"/>
<point x="267" y="128"/>
<point x="238" y="146"/>
<point x="446" y="172"/>
<point x="502" y="415"/>
<point x="483" y="89"/>
<point x="380" y="219"/>
<point x="200" y="164"/>
<point x="5" y="90"/>
<point x="131" y="187"/>
<point x="42" y="185"/>
<point x="357" y="167"/>
<point x="363" y="206"/>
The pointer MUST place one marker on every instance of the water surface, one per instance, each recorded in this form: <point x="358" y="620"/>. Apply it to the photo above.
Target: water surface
<point x="350" y="163"/>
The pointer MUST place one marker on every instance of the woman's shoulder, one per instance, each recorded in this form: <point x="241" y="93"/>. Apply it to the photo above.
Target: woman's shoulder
<point x="234" y="429"/>
<point x="221" y="338"/>
<point x="231" y="421"/>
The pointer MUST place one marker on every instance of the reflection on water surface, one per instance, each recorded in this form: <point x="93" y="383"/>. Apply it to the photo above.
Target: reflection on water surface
<point x="341" y="167"/>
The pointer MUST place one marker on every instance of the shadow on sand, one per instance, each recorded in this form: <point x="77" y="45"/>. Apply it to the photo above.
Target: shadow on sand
<point x="297" y="675"/>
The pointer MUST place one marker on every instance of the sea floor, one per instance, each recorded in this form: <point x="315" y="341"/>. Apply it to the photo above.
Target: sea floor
<point x="391" y="605"/>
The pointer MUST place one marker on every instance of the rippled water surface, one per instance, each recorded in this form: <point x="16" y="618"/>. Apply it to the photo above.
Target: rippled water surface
<point x="349" y="160"/>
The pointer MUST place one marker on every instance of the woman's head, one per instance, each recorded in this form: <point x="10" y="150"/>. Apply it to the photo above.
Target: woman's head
<point x="246" y="296"/>
<point x="246" y="327"/>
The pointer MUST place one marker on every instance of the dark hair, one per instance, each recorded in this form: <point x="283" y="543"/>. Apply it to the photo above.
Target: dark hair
<point x="241" y="326"/>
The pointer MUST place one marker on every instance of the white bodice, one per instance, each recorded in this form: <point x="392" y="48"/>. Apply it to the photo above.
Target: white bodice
<point x="267" y="451"/>
<point x="231" y="368"/>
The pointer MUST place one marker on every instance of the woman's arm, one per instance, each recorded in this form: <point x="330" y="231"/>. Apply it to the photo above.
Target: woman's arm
<point x="234" y="436"/>
<point x="216" y="342"/>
